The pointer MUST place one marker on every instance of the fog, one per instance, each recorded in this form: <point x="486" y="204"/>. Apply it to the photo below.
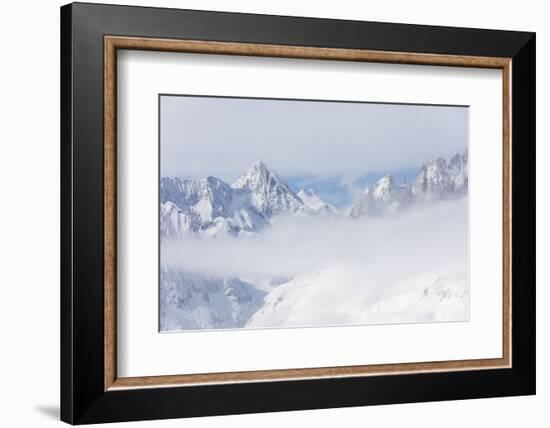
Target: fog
<point x="429" y="238"/>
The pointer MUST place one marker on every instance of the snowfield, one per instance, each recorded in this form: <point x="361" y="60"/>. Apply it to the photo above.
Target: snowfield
<point x="316" y="300"/>
<point x="254" y="254"/>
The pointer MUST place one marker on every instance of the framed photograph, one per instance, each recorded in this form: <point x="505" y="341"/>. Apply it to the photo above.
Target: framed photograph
<point x="319" y="213"/>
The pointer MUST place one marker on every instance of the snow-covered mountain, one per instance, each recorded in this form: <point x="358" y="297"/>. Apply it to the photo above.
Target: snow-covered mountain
<point x="315" y="203"/>
<point x="210" y="207"/>
<point x="383" y="196"/>
<point x="436" y="180"/>
<point x="352" y="295"/>
<point x="267" y="193"/>
<point x="191" y="301"/>
<point x="439" y="180"/>
<point x="206" y="207"/>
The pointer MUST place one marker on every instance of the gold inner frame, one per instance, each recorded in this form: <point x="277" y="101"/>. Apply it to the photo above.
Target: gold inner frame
<point x="113" y="43"/>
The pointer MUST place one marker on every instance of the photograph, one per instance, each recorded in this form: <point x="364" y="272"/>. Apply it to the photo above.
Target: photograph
<point x="273" y="210"/>
<point x="278" y="213"/>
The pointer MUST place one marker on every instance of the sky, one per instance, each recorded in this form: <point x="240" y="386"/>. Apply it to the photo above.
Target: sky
<point x="333" y="147"/>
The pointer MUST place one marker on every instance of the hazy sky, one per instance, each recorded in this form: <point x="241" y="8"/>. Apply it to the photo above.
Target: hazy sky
<point x="222" y="137"/>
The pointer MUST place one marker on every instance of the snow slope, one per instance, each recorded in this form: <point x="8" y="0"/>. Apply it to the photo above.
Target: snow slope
<point x="350" y="295"/>
<point x="191" y="301"/>
<point x="315" y="203"/>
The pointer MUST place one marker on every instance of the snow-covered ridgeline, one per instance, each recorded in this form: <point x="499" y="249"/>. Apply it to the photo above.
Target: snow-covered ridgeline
<point x="315" y="204"/>
<point x="191" y="301"/>
<point x="211" y="207"/>
<point x="436" y="180"/>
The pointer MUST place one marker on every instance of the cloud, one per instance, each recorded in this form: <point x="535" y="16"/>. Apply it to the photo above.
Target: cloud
<point x="223" y="136"/>
<point x="430" y="238"/>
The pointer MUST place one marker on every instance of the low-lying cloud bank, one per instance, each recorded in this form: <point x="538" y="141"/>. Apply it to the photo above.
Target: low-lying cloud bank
<point x="430" y="238"/>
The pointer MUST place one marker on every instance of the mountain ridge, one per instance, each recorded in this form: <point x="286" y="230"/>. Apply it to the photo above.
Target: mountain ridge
<point x="436" y="180"/>
<point x="212" y="207"/>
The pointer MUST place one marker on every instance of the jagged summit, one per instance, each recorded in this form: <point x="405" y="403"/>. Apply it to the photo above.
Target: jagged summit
<point x="437" y="179"/>
<point x="257" y="175"/>
<point x="432" y="178"/>
<point x="268" y="194"/>
<point x="210" y="206"/>
<point x="384" y="188"/>
<point x="261" y="167"/>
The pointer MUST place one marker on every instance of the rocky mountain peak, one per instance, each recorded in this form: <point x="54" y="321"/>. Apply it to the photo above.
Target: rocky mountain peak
<point x="211" y="207"/>
<point x="257" y="177"/>
<point x="268" y="194"/>
<point x="384" y="188"/>
<point x="437" y="179"/>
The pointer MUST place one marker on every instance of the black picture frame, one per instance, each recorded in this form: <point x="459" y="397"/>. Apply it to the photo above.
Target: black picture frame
<point x="83" y="397"/>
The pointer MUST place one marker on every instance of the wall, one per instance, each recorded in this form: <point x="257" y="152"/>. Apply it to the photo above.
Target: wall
<point x="29" y="232"/>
